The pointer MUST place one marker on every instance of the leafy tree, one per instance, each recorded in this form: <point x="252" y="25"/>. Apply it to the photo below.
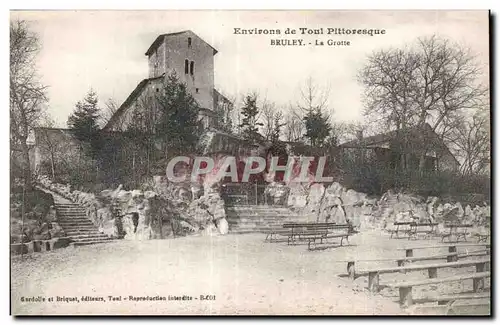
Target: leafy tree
<point x="249" y="124"/>
<point x="317" y="127"/>
<point x="84" y="122"/>
<point x="178" y="124"/>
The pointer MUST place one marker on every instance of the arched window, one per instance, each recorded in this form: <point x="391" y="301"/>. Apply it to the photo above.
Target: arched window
<point x="189" y="41"/>
<point x="192" y="68"/>
<point x="186" y="66"/>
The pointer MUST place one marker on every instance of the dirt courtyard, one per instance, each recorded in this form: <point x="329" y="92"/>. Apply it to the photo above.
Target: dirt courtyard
<point x="232" y="274"/>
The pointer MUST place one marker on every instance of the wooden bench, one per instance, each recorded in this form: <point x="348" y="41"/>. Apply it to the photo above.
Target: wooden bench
<point x="475" y="309"/>
<point x="454" y="231"/>
<point x="414" y="229"/>
<point x="374" y="274"/>
<point x="452" y="248"/>
<point x="310" y="232"/>
<point x="450" y="257"/>
<point x="324" y="231"/>
<point x="289" y="230"/>
<point x="482" y="238"/>
<point x="405" y="288"/>
<point x="445" y="299"/>
<point x="399" y="224"/>
<point x="351" y="264"/>
<point x="276" y="232"/>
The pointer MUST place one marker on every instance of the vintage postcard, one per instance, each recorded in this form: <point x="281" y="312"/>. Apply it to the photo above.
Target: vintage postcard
<point x="217" y="162"/>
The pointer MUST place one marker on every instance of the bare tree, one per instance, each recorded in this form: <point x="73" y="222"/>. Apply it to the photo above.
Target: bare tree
<point x="313" y="97"/>
<point x="294" y="125"/>
<point x="429" y="82"/>
<point x="56" y="145"/>
<point x="472" y="142"/>
<point x="272" y="119"/>
<point x="110" y="108"/>
<point x="27" y="94"/>
<point x="43" y="139"/>
<point x="347" y="131"/>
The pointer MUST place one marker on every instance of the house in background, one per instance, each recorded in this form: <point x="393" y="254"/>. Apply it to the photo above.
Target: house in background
<point x="192" y="59"/>
<point x="386" y="149"/>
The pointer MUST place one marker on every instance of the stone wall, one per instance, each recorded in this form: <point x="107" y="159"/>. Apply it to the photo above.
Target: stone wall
<point x="168" y="210"/>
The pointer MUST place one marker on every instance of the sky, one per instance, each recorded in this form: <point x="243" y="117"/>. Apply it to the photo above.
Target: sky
<point x="104" y="50"/>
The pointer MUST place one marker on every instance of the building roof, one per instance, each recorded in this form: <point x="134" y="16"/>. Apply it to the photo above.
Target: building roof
<point x="220" y="97"/>
<point x="133" y="96"/>
<point x="413" y="132"/>
<point x="161" y="37"/>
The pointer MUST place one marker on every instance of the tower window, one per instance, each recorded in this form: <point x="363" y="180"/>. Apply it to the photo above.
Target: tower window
<point x="191" y="68"/>
<point x="197" y="90"/>
<point x="186" y="66"/>
<point x="189" y="41"/>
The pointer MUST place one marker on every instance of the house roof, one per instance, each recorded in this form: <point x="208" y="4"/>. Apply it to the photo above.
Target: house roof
<point x="161" y="37"/>
<point x="413" y="133"/>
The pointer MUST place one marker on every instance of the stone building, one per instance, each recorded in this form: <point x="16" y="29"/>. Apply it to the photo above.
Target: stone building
<point x="192" y="59"/>
<point x="186" y="54"/>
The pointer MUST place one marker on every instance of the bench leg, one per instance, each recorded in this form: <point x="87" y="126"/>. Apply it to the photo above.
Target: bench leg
<point x="30" y="246"/>
<point x="478" y="284"/>
<point x="452" y="258"/>
<point x="373" y="281"/>
<point x="351" y="270"/>
<point x="309" y="243"/>
<point x="37" y="246"/>
<point x="405" y="297"/>
<point x="432" y="272"/>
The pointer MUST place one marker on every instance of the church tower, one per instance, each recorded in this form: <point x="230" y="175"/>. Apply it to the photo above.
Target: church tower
<point x="191" y="58"/>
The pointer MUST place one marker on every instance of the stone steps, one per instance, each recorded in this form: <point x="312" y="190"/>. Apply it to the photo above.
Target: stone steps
<point x="87" y="224"/>
<point x="92" y="242"/>
<point x="258" y="219"/>
<point x="82" y="230"/>
<point x="72" y="213"/>
<point x="73" y="220"/>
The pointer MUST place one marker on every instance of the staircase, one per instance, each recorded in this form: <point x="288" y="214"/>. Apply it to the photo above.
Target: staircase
<point x="73" y="220"/>
<point x="258" y="218"/>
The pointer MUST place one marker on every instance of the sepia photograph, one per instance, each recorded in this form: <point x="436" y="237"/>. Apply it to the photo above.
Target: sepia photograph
<point x="250" y="162"/>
